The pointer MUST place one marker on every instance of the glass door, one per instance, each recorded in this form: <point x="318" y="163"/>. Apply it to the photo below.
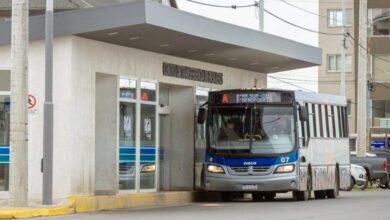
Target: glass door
<point x="148" y="136"/>
<point x="127" y="134"/>
<point x="4" y="141"/>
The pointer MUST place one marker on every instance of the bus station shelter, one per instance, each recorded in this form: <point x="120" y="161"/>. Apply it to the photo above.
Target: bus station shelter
<point x="128" y="79"/>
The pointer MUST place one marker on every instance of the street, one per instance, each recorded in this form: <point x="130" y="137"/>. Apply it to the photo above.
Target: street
<point x="370" y="204"/>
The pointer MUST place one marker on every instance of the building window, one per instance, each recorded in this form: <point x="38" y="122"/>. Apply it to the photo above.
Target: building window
<point x="334" y="63"/>
<point x="335" y="17"/>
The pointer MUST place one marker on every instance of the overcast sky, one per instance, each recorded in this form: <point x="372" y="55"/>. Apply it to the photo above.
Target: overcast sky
<point x="247" y="17"/>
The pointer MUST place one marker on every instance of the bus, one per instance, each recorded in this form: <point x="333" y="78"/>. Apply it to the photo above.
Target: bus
<point x="266" y="142"/>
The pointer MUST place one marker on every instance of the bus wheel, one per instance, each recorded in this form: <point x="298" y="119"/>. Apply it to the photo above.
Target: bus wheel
<point x="257" y="196"/>
<point x="226" y="196"/>
<point x="320" y="194"/>
<point x="333" y="193"/>
<point x="304" y="195"/>
<point x="269" y="196"/>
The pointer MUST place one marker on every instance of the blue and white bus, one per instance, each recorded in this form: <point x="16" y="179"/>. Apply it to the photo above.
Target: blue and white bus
<point x="273" y="141"/>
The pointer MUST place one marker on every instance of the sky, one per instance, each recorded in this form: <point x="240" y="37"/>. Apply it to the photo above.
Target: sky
<point x="247" y="17"/>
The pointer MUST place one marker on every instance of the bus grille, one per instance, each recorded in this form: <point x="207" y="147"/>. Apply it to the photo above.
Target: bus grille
<point x="249" y="170"/>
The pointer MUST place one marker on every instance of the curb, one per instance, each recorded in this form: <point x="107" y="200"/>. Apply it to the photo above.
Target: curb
<point x="82" y="204"/>
<point x="7" y="213"/>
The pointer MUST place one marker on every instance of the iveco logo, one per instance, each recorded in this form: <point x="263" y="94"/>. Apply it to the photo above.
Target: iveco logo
<point x="250" y="163"/>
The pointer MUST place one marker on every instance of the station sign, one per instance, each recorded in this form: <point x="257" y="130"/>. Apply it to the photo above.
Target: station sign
<point x="189" y="73"/>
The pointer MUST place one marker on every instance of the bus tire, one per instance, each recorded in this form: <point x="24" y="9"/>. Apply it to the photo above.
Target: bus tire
<point x="226" y="196"/>
<point x="304" y="195"/>
<point x="257" y="196"/>
<point x="269" y="196"/>
<point x="320" y="194"/>
<point x="333" y="193"/>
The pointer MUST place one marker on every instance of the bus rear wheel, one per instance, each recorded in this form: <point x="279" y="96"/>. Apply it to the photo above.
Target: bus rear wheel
<point x="320" y="194"/>
<point x="333" y="193"/>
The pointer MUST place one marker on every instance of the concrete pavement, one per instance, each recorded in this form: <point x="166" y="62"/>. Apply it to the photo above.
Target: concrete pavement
<point x="372" y="204"/>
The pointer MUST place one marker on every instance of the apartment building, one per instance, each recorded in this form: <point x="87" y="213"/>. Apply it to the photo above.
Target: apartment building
<point x="378" y="43"/>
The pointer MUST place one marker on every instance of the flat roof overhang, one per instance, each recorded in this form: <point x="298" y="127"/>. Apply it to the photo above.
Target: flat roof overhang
<point x="153" y="27"/>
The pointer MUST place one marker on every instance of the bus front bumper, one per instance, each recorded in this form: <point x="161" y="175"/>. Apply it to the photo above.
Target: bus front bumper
<point x="251" y="184"/>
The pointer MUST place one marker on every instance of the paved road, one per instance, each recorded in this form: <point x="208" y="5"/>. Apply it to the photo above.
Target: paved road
<point x="372" y="205"/>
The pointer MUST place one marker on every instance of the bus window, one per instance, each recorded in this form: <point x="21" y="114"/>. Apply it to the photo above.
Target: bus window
<point x="336" y="121"/>
<point x="317" y="114"/>
<point x="312" y="119"/>
<point x="320" y="124"/>
<point x="331" y="121"/>
<point x="324" y="121"/>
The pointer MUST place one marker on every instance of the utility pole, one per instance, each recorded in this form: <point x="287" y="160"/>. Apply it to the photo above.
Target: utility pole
<point x="261" y="15"/>
<point x="18" y="132"/>
<point x="47" y="185"/>
<point x="343" y="47"/>
<point x="362" y="82"/>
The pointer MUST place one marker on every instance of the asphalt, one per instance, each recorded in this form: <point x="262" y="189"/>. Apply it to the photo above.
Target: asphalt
<point x="370" y="204"/>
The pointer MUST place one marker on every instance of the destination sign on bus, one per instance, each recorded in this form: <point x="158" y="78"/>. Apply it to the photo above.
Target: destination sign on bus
<point x="251" y="97"/>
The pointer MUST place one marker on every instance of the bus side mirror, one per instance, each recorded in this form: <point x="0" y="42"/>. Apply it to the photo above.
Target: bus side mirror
<point x="303" y="114"/>
<point x="202" y="115"/>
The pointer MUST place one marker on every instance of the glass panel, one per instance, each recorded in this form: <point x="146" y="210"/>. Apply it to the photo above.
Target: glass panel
<point x="148" y="146"/>
<point x="4" y="142"/>
<point x="148" y="91"/>
<point x="128" y="88"/>
<point x="317" y="120"/>
<point x="261" y="130"/>
<point x="337" y="121"/>
<point x="127" y="145"/>
<point x="5" y="81"/>
<point x="324" y="124"/>
<point x="300" y="133"/>
<point x="311" y="120"/>
<point x="330" y="121"/>
<point x="331" y="63"/>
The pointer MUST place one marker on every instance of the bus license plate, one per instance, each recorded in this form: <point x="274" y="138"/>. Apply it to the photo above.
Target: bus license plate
<point x="249" y="186"/>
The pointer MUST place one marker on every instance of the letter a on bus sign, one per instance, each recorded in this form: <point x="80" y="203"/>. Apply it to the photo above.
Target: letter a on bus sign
<point x="225" y="98"/>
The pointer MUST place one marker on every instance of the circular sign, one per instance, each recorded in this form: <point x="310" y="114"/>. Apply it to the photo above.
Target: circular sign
<point x="32" y="101"/>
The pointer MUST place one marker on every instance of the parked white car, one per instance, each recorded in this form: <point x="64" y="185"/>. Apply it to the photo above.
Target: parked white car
<point x="358" y="177"/>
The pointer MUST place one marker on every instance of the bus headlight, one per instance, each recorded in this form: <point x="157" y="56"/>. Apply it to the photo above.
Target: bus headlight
<point x="285" y="168"/>
<point x="148" y="168"/>
<point x="212" y="168"/>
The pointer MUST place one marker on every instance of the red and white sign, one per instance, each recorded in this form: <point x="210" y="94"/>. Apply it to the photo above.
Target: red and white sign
<point x="32" y="104"/>
<point x="32" y="101"/>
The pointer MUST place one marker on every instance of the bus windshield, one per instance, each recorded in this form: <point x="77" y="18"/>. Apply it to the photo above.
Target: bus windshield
<point x="251" y="130"/>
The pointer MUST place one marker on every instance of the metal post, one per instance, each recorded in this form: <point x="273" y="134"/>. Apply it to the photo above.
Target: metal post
<point x="261" y="15"/>
<point x="47" y="186"/>
<point x="362" y="82"/>
<point x="19" y="88"/>
<point x="343" y="47"/>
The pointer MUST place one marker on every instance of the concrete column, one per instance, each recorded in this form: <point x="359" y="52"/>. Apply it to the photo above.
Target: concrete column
<point x="19" y="88"/>
<point x="106" y="134"/>
<point x="362" y="82"/>
<point x="182" y="109"/>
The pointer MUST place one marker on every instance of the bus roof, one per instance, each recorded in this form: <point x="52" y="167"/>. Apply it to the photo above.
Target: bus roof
<point x="320" y="98"/>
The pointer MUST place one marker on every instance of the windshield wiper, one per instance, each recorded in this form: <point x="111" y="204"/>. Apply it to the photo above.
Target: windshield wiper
<point x="269" y="122"/>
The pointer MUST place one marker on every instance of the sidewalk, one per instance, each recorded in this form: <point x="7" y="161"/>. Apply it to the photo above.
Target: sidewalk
<point x="79" y="204"/>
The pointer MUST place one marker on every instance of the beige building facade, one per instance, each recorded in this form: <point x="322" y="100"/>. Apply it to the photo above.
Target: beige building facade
<point x="378" y="38"/>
